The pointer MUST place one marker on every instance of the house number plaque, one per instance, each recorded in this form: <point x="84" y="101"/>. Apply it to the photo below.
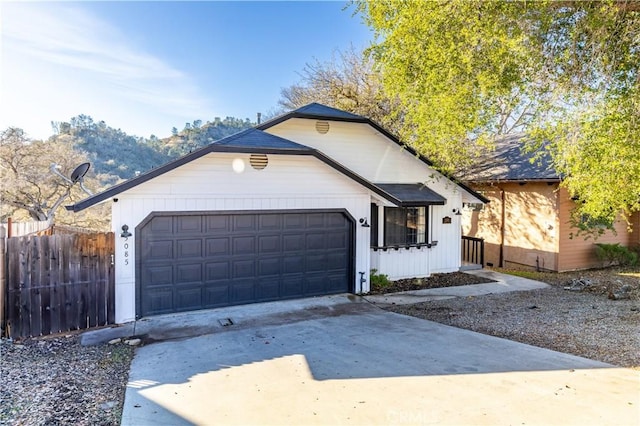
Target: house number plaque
<point x="446" y="219"/>
<point x="126" y="251"/>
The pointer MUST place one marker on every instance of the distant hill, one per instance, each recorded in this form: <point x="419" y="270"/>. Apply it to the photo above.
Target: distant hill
<point x="196" y="135"/>
<point x="114" y="153"/>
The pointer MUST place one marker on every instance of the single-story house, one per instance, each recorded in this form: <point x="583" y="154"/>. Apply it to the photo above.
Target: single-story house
<point x="303" y="205"/>
<point x="527" y="223"/>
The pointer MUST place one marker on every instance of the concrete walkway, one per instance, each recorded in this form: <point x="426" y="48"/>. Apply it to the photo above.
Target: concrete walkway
<point x="503" y="283"/>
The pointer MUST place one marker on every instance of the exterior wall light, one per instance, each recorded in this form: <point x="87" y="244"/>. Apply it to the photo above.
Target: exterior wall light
<point x="364" y="223"/>
<point x="457" y="212"/>
<point x="125" y="232"/>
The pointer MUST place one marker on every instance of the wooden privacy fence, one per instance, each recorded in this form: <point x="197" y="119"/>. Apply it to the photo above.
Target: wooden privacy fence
<point x="59" y="283"/>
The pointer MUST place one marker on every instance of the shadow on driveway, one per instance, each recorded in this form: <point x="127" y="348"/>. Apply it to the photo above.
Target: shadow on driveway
<point x="352" y="363"/>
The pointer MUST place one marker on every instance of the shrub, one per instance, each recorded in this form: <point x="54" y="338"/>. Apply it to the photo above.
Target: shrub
<point x="378" y="281"/>
<point x="615" y="254"/>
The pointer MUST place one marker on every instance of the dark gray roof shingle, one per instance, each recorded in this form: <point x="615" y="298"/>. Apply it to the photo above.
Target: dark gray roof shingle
<point x="412" y="194"/>
<point x="254" y="138"/>
<point x="510" y="162"/>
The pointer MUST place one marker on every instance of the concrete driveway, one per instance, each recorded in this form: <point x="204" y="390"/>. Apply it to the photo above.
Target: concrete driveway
<point x="340" y="361"/>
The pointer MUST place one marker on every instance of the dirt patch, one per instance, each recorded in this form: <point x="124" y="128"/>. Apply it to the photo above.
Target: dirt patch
<point x="434" y="281"/>
<point x="586" y="322"/>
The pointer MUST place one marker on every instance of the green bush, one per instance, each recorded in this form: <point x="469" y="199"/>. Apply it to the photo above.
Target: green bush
<point x="615" y="254"/>
<point x="378" y="281"/>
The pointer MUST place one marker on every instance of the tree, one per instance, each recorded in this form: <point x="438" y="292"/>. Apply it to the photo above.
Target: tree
<point x="466" y="71"/>
<point x="347" y="82"/>
<point x="29" y="187"/>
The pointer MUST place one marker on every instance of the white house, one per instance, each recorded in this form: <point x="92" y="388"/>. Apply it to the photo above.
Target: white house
<point x="303" y="205"/>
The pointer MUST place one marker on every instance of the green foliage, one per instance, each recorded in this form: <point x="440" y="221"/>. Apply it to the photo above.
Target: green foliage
<point x="378" y="281"/>
<point x="568" y="73"/>
<point x="615" y="254"/>
<point x="197" y="135"/>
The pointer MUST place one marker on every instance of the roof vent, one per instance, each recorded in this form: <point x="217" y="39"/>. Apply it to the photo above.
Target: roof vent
<point x="322" y="127"/>
<point x="258" y="161"/>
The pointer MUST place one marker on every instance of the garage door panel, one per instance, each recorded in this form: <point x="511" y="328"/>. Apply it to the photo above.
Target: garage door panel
<point x="336" y="220"/>
<point x="159" y="250"/>
<point x="294" y="242"/>
<point x="269" y="244"/>
<point x="188" y="273"/>
<point x="188" y="298"/>
<point x="294" y="221"/>
<point x="215" y="295"/>
<point x="316" y="262"/>
<point x="244" y="245"/>
<point x="335" y="261"/>
<point x="243" y="223"/>
<point x="242" y="291"/>
<point x="293" y="264"/>
<point x="337" y="240"/>
<point x="315" y="241"/>
<point x="292" y="286"/>
<point x="244" y="268"/>
<point x="314" y="285"/>
<point x="189" y="248"/>
<point x="189" y="224"/>
<point x="161" y="225"/>
<point x="159" y="300"/>
<point x="270" y="222"/>
<point x="268" y="289"/>
<point x="334" y="283"/>
<point x="157" y="275"/>
<point x="316" y="220"/>
<point x="217" y="246"/>
<point x="267" y="267"/>
<point x="217" y="223"/>
<point x="197" y="261"/>
<point x="215" y="271"/>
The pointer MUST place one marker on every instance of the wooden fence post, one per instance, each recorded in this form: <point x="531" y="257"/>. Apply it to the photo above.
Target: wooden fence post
<point x="3" y="278"/>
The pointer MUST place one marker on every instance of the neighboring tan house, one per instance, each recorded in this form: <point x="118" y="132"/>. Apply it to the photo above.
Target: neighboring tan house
<point x="303" y="205"/>
<point x="527" y="222"/>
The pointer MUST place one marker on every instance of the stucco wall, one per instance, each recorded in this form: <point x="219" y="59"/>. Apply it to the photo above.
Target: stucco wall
<point x="530" y="234"/>
<point x="537" y="232"/>
<point x="576" y="252"/>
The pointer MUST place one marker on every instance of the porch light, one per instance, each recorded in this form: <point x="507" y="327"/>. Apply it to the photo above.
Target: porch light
<point x="125" y="232"/>
<point x="364" y="223"/>
<point x="457" y="212"/>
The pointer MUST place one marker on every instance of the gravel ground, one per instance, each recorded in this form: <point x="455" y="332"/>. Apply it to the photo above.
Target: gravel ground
<point x="56" y="381"/>
<point x="586" y="323"/>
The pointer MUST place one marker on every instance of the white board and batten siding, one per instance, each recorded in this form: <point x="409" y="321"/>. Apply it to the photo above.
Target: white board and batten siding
<point x="365" y="151"/>
<point x="372" y="155"/>
<point x="210" y="184"/>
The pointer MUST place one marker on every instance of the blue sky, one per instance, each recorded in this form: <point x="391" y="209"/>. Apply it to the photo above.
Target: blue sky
<point x="145" y="67"/>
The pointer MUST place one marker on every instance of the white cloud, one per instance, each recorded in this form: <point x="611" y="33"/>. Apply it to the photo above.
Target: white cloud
<point x="58" y="58"/>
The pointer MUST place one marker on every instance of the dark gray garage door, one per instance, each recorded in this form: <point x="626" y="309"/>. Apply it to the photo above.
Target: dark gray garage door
<point x="199" y="261"/>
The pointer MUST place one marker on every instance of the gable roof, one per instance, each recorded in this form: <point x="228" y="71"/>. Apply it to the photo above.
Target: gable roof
<point x="316" y="111"/>
<point x="250" y="141"/>
<point x="510" y="162"/>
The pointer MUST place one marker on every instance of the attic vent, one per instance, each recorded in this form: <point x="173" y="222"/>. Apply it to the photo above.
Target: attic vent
<point x="322" y="127"/>
<point x="258" y="161"/>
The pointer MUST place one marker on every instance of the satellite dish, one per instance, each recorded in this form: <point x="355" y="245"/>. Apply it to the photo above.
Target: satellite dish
<point x="79" y="172"/>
